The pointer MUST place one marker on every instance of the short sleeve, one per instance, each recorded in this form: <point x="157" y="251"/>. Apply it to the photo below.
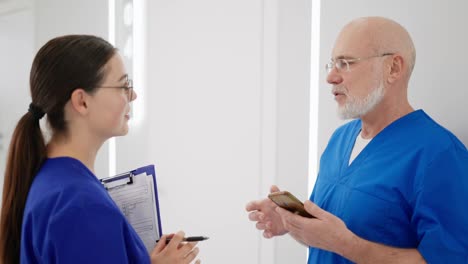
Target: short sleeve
<point x="95" y="234"/>
<point x="440" y="210"/>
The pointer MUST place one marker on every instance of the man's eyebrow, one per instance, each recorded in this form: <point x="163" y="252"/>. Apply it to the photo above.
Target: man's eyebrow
<point x="343" y="57"/>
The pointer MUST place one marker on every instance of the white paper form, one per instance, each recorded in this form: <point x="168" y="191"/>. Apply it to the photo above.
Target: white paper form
<point x="137" y="202"/>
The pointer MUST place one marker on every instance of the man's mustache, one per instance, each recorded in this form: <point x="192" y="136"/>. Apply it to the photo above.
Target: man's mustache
<point x="339" y="89"/>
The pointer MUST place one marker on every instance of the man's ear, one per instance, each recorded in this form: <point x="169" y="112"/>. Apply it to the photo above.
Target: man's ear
<point x="78" y="101"/>
<point x="397" y="68"/>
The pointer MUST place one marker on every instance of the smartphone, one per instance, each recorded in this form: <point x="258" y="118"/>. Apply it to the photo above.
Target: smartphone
<point x="286" y="200"/>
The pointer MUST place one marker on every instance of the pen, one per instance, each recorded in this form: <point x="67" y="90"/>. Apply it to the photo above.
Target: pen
<point x="189" y="239"/>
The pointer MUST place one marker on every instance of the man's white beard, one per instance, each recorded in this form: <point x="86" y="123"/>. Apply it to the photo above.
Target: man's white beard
<point x="356" y="108"/>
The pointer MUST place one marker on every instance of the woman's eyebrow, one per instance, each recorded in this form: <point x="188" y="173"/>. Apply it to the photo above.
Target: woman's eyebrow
<point x="124" y="77"/>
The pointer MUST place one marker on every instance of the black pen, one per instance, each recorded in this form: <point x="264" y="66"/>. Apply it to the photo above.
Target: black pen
<point x="189" y="239"/>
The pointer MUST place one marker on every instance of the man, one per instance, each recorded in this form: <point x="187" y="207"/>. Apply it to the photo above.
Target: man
<point x="393" y="184"/>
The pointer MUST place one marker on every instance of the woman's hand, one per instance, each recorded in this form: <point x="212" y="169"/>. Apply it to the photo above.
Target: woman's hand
<point x="175" y="252"/>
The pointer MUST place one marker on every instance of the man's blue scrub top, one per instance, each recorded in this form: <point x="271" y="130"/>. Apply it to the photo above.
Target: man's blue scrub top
<point x="70" y="218"/>
<point x="408" y="188"/>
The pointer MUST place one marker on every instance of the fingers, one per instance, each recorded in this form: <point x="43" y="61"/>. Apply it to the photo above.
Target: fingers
<point x="253" y="206"/>
<point x="291" y="222"/>
<point x="261" y="226"/>
<point x="260" y="210"/>
<point x="314" y="210"/>
<point x="283" y="212"/>
<point x="160" y="245"/>
<point x="175" y="251"/>
<point x="176" y="240"/>
<point x="256" y="216"/>
<point x="267" y="234"/>
<point x="188" y="251"/>
<point x="192" y="255"/>
<point x="274" y="188"/>
<point x="263" y="213"/>
<point x="264" y="205"/>
<point x="257" y="205"/>
<point x="185" y="248"/>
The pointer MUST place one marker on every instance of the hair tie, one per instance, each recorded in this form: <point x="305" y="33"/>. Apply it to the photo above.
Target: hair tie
<point x="36" y="111"/>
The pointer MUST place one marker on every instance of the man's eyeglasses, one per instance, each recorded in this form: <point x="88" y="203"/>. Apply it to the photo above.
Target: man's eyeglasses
<point x="343" y="64"/>
<point x="128" y="88"/>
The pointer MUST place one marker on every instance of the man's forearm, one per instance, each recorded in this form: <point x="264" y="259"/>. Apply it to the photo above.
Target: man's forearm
<point x="363" y="251"/>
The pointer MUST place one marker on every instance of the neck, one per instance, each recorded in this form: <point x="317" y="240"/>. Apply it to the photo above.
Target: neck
<point x="383" y="115"/>
<point x="80" y="149"/>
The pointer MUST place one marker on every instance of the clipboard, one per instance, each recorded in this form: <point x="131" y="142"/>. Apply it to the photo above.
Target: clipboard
<point x="135" y="193"/>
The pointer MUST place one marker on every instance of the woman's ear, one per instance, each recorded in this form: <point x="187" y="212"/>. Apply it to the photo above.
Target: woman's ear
<point x="78" y="101"/>
<point x="397" y="66"/>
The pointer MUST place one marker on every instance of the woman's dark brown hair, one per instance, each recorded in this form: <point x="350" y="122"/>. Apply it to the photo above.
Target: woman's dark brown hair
<point x="62" y="65"/>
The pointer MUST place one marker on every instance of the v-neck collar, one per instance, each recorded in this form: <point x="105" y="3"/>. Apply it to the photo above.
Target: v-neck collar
<point x="350" y="145"/>
<point x="372" y="145"/>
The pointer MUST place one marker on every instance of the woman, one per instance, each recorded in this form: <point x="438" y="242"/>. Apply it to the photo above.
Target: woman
<point x="54" y="209"/>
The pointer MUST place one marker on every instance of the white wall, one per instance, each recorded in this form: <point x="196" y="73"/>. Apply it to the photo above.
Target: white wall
<point x="16" y="53"/>
<point x="438" y="80"/>
<point x="293" y="77"/>
<point x="227" y="111"/>
<point x="229" y="90"/>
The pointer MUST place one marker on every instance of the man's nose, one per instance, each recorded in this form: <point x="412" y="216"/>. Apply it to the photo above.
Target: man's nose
<point x="334" y="77"/>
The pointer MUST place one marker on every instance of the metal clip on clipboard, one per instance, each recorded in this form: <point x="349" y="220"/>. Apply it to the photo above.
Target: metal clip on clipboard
<point x="118" y="180"/>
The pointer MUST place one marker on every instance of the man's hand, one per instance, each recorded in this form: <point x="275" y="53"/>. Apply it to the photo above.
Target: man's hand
<point x="325" y="231"/>
<point x="263" y="212"/>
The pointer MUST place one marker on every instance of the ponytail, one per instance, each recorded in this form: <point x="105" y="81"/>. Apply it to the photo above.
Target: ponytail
<point x="62" y="65"/>
<point x="26" y="153"/>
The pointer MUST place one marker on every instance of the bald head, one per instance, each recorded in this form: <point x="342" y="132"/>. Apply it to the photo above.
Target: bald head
<point x="382" y="35"/>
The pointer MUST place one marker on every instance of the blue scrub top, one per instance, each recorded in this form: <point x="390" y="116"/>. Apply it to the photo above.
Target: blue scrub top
<point x="408" y="188"/>
<point x="70" y="218"/>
